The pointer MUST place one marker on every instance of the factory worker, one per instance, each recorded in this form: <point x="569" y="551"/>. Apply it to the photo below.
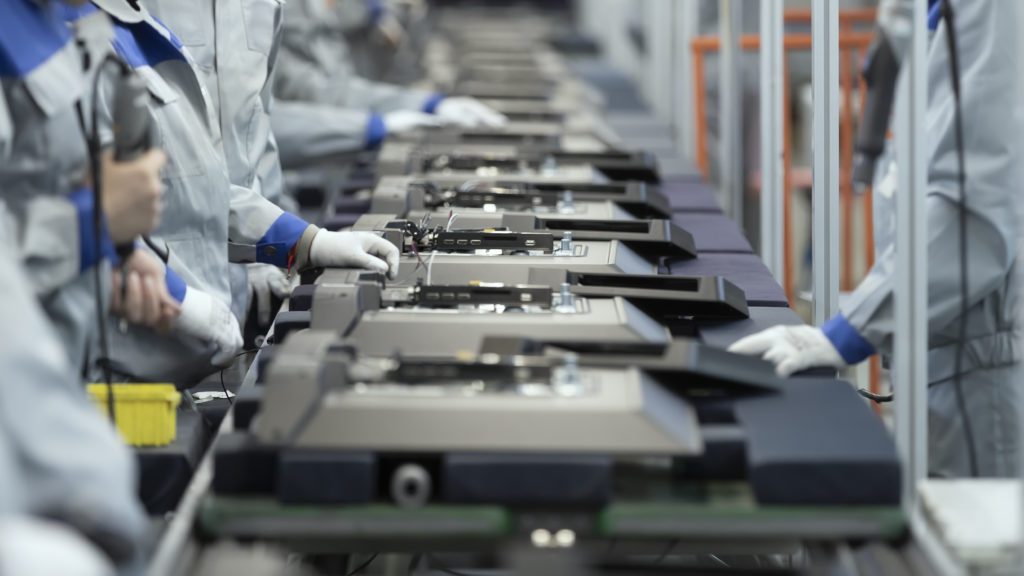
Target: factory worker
<point x="235" y="48"/>
<point x="988" y="47"/>
<point x="381" y="38"/>
<point x="68" y="504"/>
<point x="315" y="67"/>
<point x="204" y="210"/>
<point x="45" y="183"/>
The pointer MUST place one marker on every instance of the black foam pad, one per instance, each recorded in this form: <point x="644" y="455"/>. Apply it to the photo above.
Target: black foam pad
<point x="326" y="477"/>
<point x="818" y="444"/>
<point x="746" y="271"/>
<point x="527" y="479"/>
<point x="690" y="196"/>
<point x="713" y="232"/>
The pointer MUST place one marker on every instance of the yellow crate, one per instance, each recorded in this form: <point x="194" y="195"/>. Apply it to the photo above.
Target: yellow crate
<point x="146" y="413"/>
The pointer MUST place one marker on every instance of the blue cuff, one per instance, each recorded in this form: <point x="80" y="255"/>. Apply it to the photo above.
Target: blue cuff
<point x="430" y="106"/>
<point x="934" y="14"/>
<point x="277" y="243"/>
<point x="377" y="10"/>
<point x="90" y="254"/>
<point x="175" y="285"/>
<point x="376" y="131"/>
<point x="850" y="344"/>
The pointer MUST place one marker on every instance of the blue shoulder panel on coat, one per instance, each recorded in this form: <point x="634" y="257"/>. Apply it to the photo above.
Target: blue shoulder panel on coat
<point x="29" y="36"/>
<point x="141" y="45"/>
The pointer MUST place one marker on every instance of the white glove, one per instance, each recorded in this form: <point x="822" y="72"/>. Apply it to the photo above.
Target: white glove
<point x="35" y="547"/>
<point x="207" y="318"/>
<point x="402" y="121"/>
<point x="354" y="250"/>
<point x="469" y="113"/>
<point x="266" y="282"/>
<point x="792" y="349"/>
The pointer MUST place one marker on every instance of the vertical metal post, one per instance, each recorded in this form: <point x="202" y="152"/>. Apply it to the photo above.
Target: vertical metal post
<point x="730" y="113"/>
<point x="773" y="116"/>
<point x="1020" y="244"/>
<point x="910" y="370"/>
<point x="658" y="84"/>
<point x="825" y="194"/>
<point x="685" y="19"/>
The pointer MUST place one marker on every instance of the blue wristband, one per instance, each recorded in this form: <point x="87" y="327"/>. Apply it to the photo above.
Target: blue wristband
<point x="276" y="245"/>
<point x="376" y="131"/>
<point x="430" y="106"/>
<point x="89" y="253"/>
<point x="175" y="285"/>
<point x="847" y="341"/>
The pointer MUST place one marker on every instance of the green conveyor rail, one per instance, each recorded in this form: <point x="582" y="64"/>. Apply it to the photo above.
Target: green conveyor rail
<point x="710" y="518"/>
<point x="221" y="515"/>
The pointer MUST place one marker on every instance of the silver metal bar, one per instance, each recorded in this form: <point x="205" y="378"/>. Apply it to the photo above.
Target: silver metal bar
<point x="684" y="18"/>
<point x="659" y="68"/>
<point x="910" y="370"/>
<point x="773" y="142"/>
<point x="1020" y="246"/>
<point x="825" y="196"/>
<point x="730" y="112"/>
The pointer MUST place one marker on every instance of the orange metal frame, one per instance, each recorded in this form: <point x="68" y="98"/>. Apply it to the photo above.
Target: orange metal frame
<point x="853" y="47"/>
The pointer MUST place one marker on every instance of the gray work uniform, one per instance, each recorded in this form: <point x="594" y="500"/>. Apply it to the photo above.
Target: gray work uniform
<point x="203" y="209"/>
<point x="990" y="376"/>
<point x="44" y="167"/>
<point x="235" y="44"/>
<point x="58" y="455"/>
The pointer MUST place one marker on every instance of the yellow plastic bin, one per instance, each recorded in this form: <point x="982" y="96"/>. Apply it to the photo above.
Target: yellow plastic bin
<point x="146" y="413"/>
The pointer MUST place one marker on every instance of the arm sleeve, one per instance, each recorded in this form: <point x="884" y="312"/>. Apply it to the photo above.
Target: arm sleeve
<point x="268" y="165"/>
<point x="317" y="67"/>
<point x="72" y="463"/>
<point x="54" y="237"/>
<point x="986" y="44"/>
<point x="313" y="133"/>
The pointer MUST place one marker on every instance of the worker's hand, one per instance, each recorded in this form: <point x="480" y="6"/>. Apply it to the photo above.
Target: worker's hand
<point x="139" y="293"/>
<point x="791" y="349"/>
<point x="354" y="250"/>
<point x="469" y="112"/>
<point x="266" y="282"/>
<point x="132" y="195"/>
<point x="402" y="121"/>
<point x="36" y="547"/>
<point x="390" y="29"/>
<point x="209" y="319"/>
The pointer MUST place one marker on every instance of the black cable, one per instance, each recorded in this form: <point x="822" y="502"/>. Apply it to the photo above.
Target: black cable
<point x="954" y="67"/>
<point x="362" y="566"/>
<point x="439" y="565"/>
<point x="95" y="166"/>
<point x="223" y="386"/>
<point x="414" y="563"/>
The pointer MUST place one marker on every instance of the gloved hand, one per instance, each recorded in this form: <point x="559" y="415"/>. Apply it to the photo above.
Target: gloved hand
<point x="207" y="318"/>
<point x="792" y="349"/>
<point x="144" y="300"/>
<point x="469" y="112"/>
<point x="266" y="282"/>
<point x="36" y="547"/>
<point x="354" y="250"/>
<point x="132" y="195"/>
<point x="402" y="121"/>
